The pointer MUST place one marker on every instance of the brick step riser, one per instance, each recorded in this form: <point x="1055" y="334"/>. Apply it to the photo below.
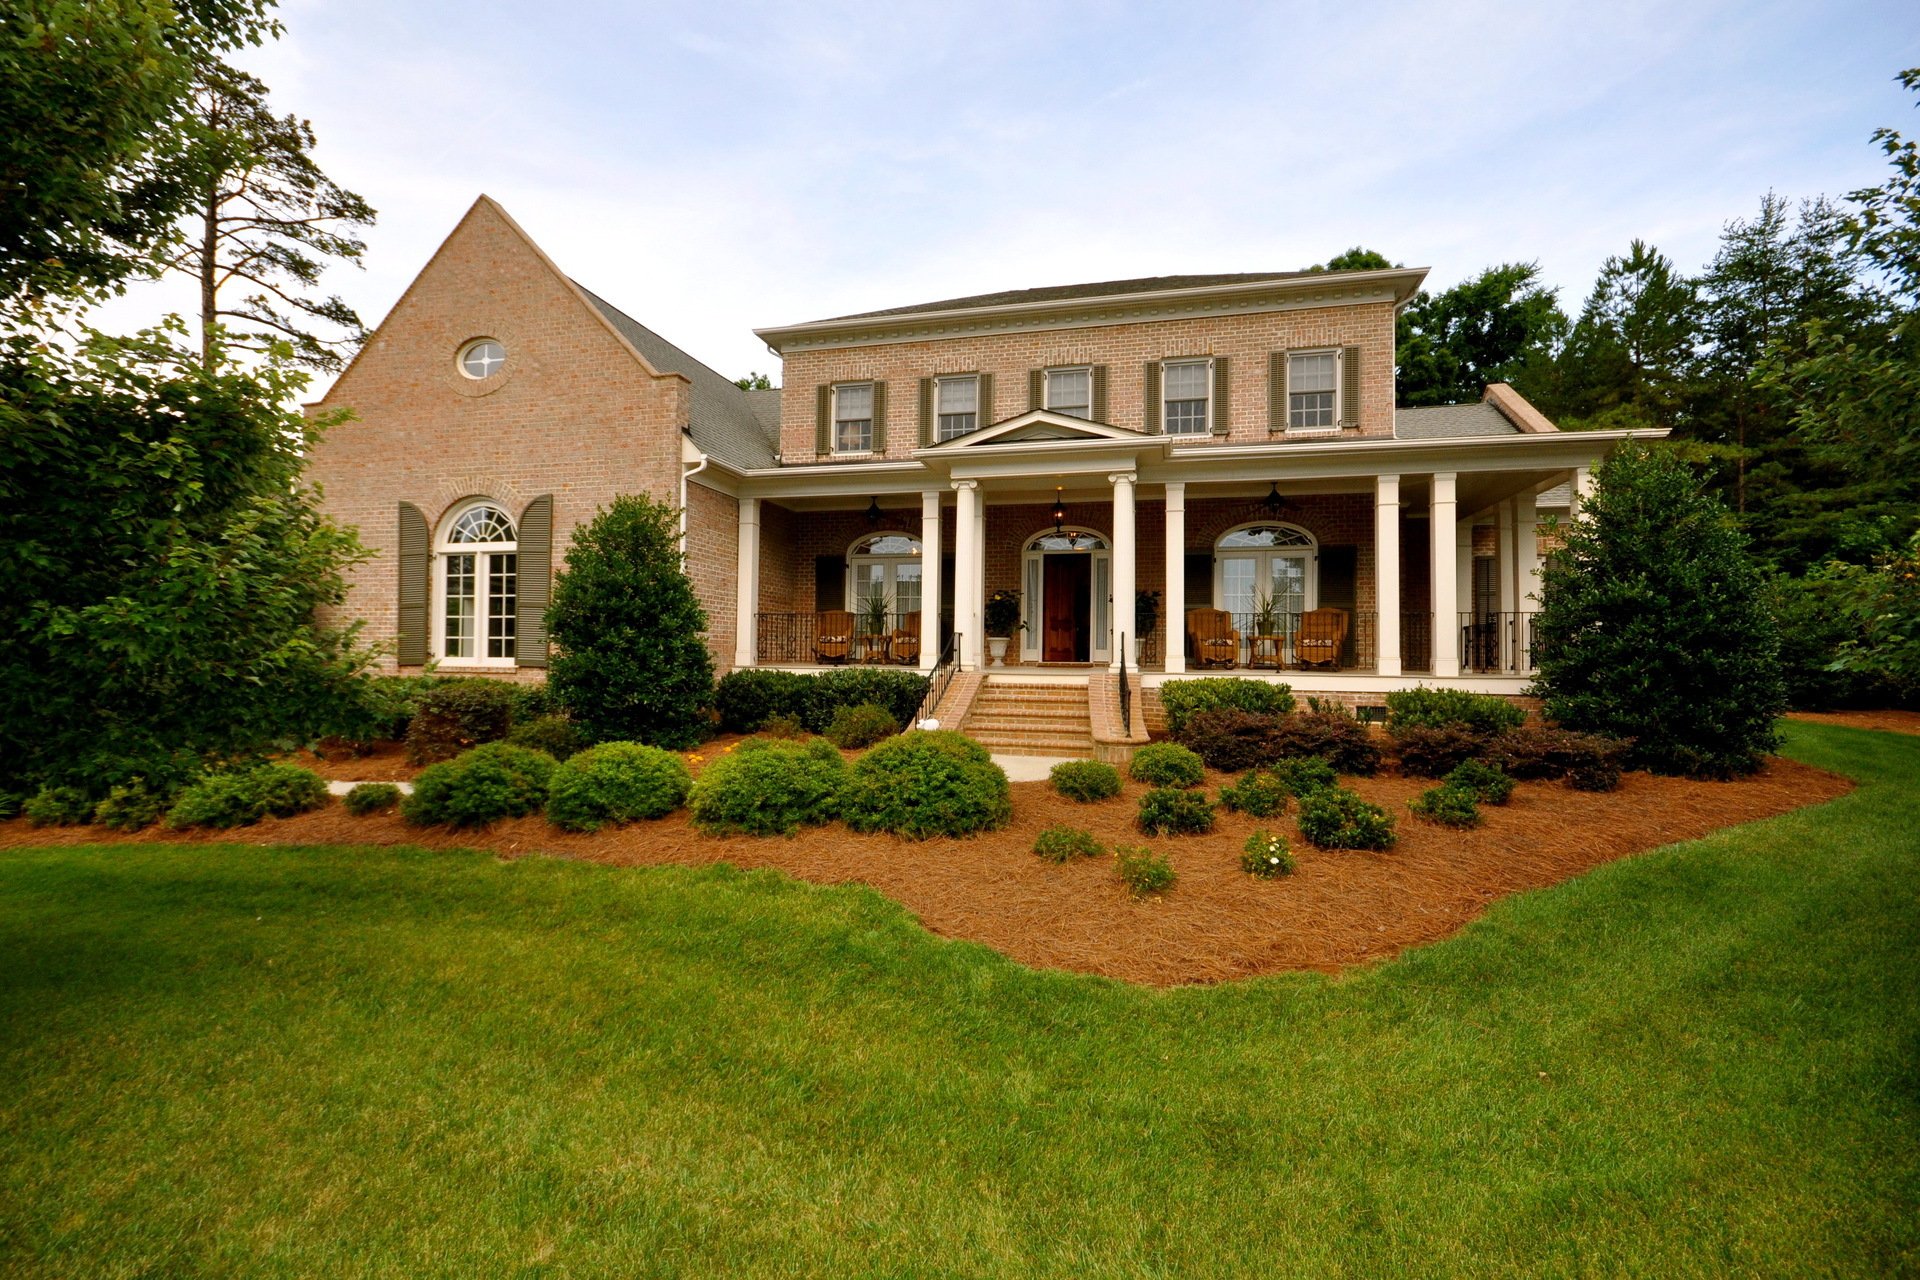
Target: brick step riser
<point x="1033" y="713"/>
<point x="990" y="700"/>
<point x="1032" y="739"/>
<point x="1081" y="751"/>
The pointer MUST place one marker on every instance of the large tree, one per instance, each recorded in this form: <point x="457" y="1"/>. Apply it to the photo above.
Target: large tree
<point x="1498" y="326"/>
<point x="1627" y="358"/>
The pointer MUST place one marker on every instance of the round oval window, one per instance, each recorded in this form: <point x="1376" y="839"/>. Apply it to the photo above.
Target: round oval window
<point x="482" y="359"/>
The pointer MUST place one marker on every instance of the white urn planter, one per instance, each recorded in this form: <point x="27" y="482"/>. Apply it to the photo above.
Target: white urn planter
<point x="997" y="650"/>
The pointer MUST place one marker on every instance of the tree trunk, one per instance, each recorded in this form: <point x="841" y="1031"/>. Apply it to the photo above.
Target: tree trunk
<point x="209" y="262"/>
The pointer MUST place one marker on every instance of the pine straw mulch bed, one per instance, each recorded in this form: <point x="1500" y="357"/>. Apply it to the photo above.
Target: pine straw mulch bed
<point x="1217" y="923"/>
<point x="1885" y="721"/>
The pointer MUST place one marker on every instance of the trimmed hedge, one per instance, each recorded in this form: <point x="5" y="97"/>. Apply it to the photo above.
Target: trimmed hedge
<point x="1334" y="736"/>
<point x="1184" y="699"/>
<point x="493" y="781"/>
<point x="1447" y="805"/>
<point x="1336" y="818"/>
<point x="922" y="784"/>
<point x="1261" y="793"/>
<point x="614" y="783"/>
<point x="765" y="787"/>
<point x="241" y="797"/>
<point x="1085" y="780"/>
<point x="749" y="698"/>
<point x="1174" y="811"/>
<point x="372" y="797"/>
<point x="452" y="716"/>
<point x="1484" y="714"/>
<point x="1231" y="740"/>
<point x="1064" y="844"/>
<point x="853" y="728"/>
<point x="1166" y="764"/>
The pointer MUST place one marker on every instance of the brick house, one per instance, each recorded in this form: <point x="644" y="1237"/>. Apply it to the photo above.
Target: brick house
<point x="1227" y="443"/>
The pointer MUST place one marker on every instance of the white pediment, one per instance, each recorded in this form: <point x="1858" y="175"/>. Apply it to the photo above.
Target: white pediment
<point x="1035" y="427"/>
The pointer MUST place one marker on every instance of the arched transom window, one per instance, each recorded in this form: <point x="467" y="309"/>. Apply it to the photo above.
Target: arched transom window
<point x="1266" y="565"/>
<point x="478" y="585"/>
<point x="886" y="564"/>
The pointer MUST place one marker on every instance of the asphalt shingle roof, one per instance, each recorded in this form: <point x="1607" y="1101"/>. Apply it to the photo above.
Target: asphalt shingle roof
<point x="1098" y="289"/>
<point x="1451" y="422"/>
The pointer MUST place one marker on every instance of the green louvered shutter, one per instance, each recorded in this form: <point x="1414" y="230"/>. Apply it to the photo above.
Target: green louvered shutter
<point x="1222" y="419"/>
<point x="1099" y="406"/>
<point x="416" y="565"/>
<point x="1350" y="386"/>
<point x="1150" y="398"/>
<point x="879" y="418"/>
<point x="1036" y="388"/>
<point x="823" y="420"/>
<point x="1277" y="391"/>
<point x="535" y="566"/>
<point x="926" y="412"/>
<point x="983" y="416"/>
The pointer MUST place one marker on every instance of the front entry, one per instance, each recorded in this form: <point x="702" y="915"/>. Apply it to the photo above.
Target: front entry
<point x="1067" y="632"/>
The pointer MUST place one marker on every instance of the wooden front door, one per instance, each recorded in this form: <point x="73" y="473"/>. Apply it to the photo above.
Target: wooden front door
<point x="1066" y="629"/>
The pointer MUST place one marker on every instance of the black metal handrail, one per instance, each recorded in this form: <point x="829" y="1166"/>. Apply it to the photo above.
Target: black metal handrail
<point x="1126" y="694"/>
<point x="1497" y="641"/>
<point x="939" y="678"/>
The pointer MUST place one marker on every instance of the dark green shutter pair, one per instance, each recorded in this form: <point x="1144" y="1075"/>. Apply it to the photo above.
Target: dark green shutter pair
<point x="982" y="406"/>
<point x="534" y="560"/>
<point x="1349" y="389"/>
<point x="823" y="419"/>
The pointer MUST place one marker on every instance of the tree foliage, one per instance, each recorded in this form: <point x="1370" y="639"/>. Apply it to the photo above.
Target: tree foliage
<point x="1495" y="327"/>
<point x="630" y="661"/>
<point x="1654" y="624"/>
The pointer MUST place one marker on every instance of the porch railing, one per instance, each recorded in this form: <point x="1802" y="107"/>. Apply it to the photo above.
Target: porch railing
<point x="795" y="638"/>
<point x="1497" y="643"/>
<point x="939" y="678"/>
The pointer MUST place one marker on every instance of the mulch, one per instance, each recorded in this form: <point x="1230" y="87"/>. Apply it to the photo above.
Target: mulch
<point x="1217" y="923"/>
<point x="1883" y="721"/>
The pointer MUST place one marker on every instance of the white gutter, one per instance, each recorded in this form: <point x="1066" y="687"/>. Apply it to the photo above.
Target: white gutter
<point x="686" y="475"/>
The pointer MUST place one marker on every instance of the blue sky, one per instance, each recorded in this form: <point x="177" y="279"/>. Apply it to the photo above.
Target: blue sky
<point x="715" y="167"/>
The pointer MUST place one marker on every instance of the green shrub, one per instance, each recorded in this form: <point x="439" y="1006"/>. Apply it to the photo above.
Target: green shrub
<point x="1447" y="805"/>
<point x="855" y="727"/>
<point x="1184" y="699"/>
<point x="1595" y="775"/>
<point x="927" y="784"/>
<point x="58" y="807"/>
<point x="529" y="702"/>
<point x="1261" y="793"/>
<point x="747" y="700"/>
<point x="1336" y="818"/>
<point x="1433" y="752"/>
<point x="1143" y="871"/>
<point x="554" y="734"/>
<point x="241" y="797"/>
<point x="1305" y="773"/>
<point x="452" y="716"/>
<point x="380" y="709"/>
<point x="1488" y="784"/>
<point x="900" y="692"/>
<point x="130" y="806"/>
<point x="764" y="788"/>
<point x="1266" y="855"/>
<point x="1484" y="714"/>
<point x="372" y="797"/>
<point x="1166" y="764"/>
<point x="1232" y="740"/>
<point x="783" y="727"/>
<point x="630" y="660"/>
<point x="490" y="782"/>
<point x="1064" y="844"/>
<point x="1086" y="780"/>
<point x="1175" y="811"/>
<point x="1536" y="751"/>
<point x="1331" y="734"/>
<point x="616" y="782"/>
<point x="10" y="803"/>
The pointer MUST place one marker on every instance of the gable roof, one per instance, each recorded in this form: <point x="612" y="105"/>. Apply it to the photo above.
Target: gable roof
<point x="740" y="428"/>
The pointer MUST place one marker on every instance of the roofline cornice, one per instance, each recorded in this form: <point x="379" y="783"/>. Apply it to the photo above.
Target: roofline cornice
<point x="1337" y="288"/>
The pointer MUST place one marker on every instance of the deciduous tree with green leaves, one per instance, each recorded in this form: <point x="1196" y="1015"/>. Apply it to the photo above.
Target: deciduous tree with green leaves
<point x="1495" y="327"/>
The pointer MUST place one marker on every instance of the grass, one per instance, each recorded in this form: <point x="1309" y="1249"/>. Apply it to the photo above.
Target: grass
<point x="347" y="1062"/>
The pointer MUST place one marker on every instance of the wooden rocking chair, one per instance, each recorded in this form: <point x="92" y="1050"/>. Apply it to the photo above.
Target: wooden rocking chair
<point x="1322" y="638"/>
<point x="906" y="638"/>
<point x="1211" y="638"/>
<point x="833" y="635"/>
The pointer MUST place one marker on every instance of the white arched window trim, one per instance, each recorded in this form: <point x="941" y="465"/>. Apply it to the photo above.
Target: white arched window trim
<point x="890" y="561"/>
<point x="476" y="572"/>
<point x="1099" y="605"/>
<point x="1285" y="566"/>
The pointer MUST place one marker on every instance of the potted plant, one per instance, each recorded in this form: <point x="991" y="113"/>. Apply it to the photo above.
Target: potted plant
<point x="1265" y="628"/>
<point x="875" y="610"/>
<point x="1146" y="617"/>
<point x="1002" y="620"/>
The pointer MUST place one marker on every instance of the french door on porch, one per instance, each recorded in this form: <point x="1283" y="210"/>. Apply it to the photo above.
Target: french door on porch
<point x="1066" y="597"/>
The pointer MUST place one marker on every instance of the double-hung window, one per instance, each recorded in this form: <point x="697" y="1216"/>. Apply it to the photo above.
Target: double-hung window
<point x="1312" y="384"/>
<point x="853" y="418"/>
<point x="956" y="406"/>
<point x="1070" y="391"/>
<point x="1185" y="389"/>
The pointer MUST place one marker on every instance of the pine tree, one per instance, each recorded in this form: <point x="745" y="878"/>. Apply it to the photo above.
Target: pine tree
<point x="1626" y="360"/>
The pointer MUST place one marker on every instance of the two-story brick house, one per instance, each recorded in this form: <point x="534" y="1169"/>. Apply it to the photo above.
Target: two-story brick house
<point x="1227" y="442"/>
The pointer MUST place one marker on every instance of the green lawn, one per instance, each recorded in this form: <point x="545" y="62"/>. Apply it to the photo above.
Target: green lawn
<point x="343" y="1062"/>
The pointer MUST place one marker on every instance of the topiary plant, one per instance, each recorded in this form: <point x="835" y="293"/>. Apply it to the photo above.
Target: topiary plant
<point x="1085" y="780"/>
<point x="855" y="727"/>
<point x="764" y="788"/>
<point x="1175" y="811"/>
<point x="372" y="797"/>
<point x="927" y="784"/>
<point x="1261" y="793"/>
<point x="1448" y="806"/>
<point x="1167" y="764"/>
<point x="1336" y="818"/>
<point x="1266" y="855"/>
<point x="483" y="785"/>
<point x="241" y="797"/>
<point x="616" y="782"/>
<point x="1143" y="871"/>
<point x="1488" y="784"/>
<point x="1064" y="844"/>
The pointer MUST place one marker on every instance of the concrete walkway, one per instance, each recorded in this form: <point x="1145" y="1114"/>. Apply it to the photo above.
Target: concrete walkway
<point x="1029" y="768"/>
<point x="341" y="788"/>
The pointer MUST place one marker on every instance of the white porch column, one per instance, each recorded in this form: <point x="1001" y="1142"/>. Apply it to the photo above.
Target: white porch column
<point x="1443" y="566"/>
<point x="1582" y="490"/>
<point x="1386" y="574"/>
<point x="966" y="572"/>
<point x="980" y="584"/>
<point x="1174" y="598"/>
<point x="1526" y="553"/>
<point x="746" y="650"/>
<point x="929" y="579"/>
<point x="1124" y="555"/>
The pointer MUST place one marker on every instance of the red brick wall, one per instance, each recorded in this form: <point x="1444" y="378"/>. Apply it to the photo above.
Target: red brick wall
<point x="713" y="561"/>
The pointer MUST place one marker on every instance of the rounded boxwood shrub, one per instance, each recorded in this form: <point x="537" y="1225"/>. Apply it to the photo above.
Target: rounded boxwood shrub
<point x="855" y="727"/>
<point x="130" y="806"/>
<point x="58" y="807"/>
<point x="1488" y="784"/>
<point x="1261" y="793"/>
<point x="900" y="692"/>
<point x="241" y="797"/>
<point x="765" y="787"/>
<point x="1064" y="844"/>
<point x="554" y="734"/>
<point x="483" y="785"/>
<point x="1266" y="855"/>
<point x="1336" y="818"/>
<point x="922" y="784"/>
<point x="1184" y="699"/>
<point x="1175" y="811"/>
<point x="616" y="782"/>
<point x="452" y="716"/>
<point x="1448" y="806"/>
<point x="1143" y="871"/>
<point x="1304" y="774"/>
<point x="1483" y="714"/>
<point x="1167" y="764"/>
<point x="1086" y="780"/>
<point x="372" y="797"/>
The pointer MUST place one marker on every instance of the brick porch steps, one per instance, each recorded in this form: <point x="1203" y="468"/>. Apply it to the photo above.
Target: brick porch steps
<point x="1032" y="718"/>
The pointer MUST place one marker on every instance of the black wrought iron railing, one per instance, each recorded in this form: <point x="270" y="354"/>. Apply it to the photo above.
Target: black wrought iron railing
<point x="1126" y="692"/>
<point x="941" y="677"/>
<point x="806" y="638"/>
<point x="1495" y="643"/>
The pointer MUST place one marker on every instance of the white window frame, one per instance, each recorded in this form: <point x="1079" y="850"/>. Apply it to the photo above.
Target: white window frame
<point x="1263" y="558"/>
<point x="1332" y="428"/>
<point x="890" y="566"/>
<point x="1099" y="592"/>
<point x="1046" y="389"/>
<point x="867" y="449"/>
<point x="483" y="554"/>
<point x="940" y="433"/>
<point x="1206" y="414"/>
<point x="469" y="348"/>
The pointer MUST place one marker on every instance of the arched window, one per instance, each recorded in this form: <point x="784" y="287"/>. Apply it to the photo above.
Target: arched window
<point x="477" y="584"/>
<point x="1271" y="564"/>
<point x="887" y="564"/>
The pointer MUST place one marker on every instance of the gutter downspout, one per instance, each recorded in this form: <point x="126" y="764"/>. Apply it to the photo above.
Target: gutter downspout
<point x="686" y="475"/>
